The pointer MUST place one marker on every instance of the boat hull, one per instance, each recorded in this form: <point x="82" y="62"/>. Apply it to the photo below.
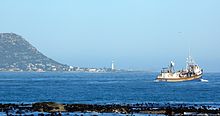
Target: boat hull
<point x="180" y="79"/>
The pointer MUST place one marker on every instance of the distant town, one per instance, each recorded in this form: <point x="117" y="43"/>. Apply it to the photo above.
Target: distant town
<point x="49" y="67"/>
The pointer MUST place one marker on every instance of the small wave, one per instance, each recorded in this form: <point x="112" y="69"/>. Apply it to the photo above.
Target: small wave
<point x="203" y="80"/>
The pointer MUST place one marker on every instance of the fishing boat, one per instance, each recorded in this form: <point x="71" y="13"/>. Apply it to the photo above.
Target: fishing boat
<point x="191" y="72"/>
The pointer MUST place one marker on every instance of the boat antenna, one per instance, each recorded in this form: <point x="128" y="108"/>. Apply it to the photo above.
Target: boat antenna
<point x="189" y="56"/>
<point x="189" y="52"/>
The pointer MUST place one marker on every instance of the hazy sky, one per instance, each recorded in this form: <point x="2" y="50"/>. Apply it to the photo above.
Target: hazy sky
<point x="138" y="34"/>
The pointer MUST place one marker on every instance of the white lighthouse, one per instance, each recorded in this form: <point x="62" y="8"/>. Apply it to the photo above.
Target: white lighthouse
<point x="113" y="65"/>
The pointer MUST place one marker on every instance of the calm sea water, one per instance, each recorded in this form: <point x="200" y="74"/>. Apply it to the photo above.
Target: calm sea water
<point x="129" y="87"/>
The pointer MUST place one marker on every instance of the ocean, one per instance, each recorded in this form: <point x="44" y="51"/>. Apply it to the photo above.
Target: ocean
<point x="105" y="88"/>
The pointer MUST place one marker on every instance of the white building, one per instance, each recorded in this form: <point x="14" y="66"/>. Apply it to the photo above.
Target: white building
<point x="113" y="65"/>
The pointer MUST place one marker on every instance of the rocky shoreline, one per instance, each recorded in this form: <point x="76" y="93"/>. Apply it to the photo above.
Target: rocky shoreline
<point x="52" y="108"/>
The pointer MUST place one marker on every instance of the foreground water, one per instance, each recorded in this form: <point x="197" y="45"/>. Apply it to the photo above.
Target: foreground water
<point x="101" y="88"/>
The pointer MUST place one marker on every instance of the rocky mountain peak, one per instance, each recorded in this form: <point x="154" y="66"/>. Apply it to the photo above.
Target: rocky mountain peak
<point x="16" y="54"/>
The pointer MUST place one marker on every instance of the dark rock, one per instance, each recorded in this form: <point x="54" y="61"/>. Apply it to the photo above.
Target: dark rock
<point x="57" y="109"/>
<point x="48" y="107"/>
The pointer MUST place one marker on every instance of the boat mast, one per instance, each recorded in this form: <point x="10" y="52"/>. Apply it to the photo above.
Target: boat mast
<point x="188" y="59"/>
<point x="190" y="62"/>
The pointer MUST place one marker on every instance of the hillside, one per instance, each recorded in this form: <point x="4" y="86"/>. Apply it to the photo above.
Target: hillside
<point x="16" y="54"/>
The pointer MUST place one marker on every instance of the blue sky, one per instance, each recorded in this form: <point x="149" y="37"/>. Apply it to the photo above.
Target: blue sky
<point x="138" y="34"/>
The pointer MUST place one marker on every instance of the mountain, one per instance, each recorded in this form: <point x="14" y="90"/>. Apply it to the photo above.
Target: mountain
<point x="16" y="54"/>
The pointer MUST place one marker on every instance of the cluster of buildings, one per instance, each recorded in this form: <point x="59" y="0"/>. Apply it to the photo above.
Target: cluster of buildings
<point x="79" y="69"/>
<point x="42" y="67"/>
